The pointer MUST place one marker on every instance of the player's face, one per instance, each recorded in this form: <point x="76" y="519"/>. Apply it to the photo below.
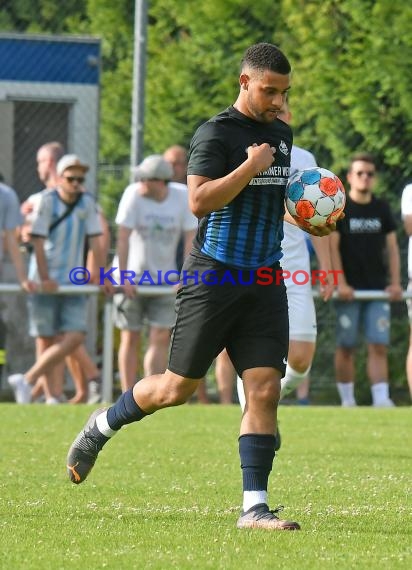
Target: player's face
<point x="264" y="94"/>
<point x="362" y="176"/>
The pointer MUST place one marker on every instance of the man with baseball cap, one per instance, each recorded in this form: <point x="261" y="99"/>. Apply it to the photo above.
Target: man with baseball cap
<point x="62" y="220"/>
<point x="153" y="167"/>
<point x="153" y="213"/>
<point x="72" y="162"/>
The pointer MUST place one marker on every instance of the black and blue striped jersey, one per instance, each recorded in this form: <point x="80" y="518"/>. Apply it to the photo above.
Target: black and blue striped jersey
<point x="247" y="232"/>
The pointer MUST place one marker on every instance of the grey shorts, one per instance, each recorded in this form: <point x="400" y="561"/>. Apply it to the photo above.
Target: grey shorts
<point x="131" y="314"/>
<point x="373" y="315"/>
<point x="53" y="314"/>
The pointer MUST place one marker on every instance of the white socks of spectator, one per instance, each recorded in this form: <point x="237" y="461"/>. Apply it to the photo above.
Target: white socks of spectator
<point x="291" y="380"/>
<point x="347" y="393"/>
<point x="379" y="391"/>
<point x="380" y="395"/>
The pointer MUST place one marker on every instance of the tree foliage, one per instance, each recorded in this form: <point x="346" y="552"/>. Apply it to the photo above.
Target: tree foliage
<point x="352" y="81"/>
<point x="352" y="78"/>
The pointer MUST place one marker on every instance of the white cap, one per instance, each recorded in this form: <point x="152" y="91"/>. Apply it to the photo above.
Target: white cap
<point x="69" y="160"/>
<point x="154" y="167"/>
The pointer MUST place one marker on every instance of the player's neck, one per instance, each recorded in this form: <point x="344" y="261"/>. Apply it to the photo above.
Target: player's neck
<point x="157" y="194"/>
<point x="360" y="196"/>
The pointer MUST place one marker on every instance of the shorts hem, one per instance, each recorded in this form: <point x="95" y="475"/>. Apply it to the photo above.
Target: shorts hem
<point x="184" y="375"/>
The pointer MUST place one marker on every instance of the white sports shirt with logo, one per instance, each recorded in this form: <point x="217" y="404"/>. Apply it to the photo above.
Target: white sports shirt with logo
<point x="302" y="315"/>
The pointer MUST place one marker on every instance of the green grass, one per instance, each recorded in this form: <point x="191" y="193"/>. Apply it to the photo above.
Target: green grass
<point x="165" y="493"/>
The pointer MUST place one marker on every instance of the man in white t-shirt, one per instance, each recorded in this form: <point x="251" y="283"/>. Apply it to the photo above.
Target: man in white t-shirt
<point x="152" y="214"/>
<point x="302" y="315"/>
<point x="406" y="210"/>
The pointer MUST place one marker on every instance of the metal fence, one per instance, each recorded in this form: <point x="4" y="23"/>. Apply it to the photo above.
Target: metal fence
<point x="322" y="375"/>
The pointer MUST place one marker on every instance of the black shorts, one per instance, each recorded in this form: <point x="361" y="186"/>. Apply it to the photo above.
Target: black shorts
<point x="220" y="307"/>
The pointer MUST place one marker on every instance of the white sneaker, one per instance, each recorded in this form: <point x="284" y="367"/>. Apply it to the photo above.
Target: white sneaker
<point x="384" y="404"/>
<point x="349" y="404"/>
<point x="21" y="388"/>
<point x="52" y="401"/>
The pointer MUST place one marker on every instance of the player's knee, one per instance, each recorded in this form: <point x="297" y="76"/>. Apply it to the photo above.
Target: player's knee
<point x="175" y="390"/>
<point x="264" y="392"/>
<point x="159" y="337"/>
<point x="300" y="363"/>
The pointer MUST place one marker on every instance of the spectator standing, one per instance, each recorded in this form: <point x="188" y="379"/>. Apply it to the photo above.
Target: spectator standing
<point x="61" y="221"/>
<point x="177" y="156"/>
<point x="83" y="370"/>
<point x="364" y="240"/>
<point x="152" y="215"/>
<point x="406" y="209"/>
<point x="47" y="158"/>
<point x="10" y="222"/>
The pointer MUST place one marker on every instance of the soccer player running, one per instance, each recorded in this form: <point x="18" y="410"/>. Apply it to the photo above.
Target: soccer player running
<point x="238" y="168"/>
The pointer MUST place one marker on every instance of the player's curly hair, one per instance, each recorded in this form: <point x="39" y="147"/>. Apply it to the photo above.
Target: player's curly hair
<point x="265" y="56"/>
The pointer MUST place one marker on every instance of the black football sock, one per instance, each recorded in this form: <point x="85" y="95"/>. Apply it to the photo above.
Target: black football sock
<point x="257" y="452"/>
<point x="124" y="411"/>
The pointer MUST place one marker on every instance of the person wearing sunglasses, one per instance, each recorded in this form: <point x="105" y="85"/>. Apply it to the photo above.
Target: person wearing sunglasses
<point x="62" y="220"/>
<point x="365" y="248"/>
<point x="82" y="368"/>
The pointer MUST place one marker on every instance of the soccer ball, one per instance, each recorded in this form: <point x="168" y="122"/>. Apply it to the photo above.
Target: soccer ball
<point x="314" y="197"/>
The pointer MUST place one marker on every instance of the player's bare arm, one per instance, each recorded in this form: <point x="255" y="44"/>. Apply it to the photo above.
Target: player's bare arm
<point x="48" y="285"/>
<point x="394" y="288"/>
<point x="206" y="195"/>
<point x="323" y="255"/>
<point x="407" y="223"/>
<point x="123" y="235"/>
<point x="345" y="291"/>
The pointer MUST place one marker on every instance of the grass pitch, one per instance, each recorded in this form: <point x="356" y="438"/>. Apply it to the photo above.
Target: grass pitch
<point x="166" y="493"/>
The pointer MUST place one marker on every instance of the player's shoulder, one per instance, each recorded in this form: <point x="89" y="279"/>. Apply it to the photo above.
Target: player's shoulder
<point x="88" y="197"/>
<point x="36" y="196"/>
<point x="380" y="202"/>
<point x="229" y="118"/>
<point x="130" y="192"/>
<point x="407" y="191"/>
<point x="177" y="191"/>
<point x="7" y="192"/>
<point x="45" y="196"/>
<point x="177" y="187"/>
<point x="213" y="125"/>
<point x="302" y="158"/>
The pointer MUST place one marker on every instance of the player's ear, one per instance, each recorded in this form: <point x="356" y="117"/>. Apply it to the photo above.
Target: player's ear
<point x="244" y="81"/>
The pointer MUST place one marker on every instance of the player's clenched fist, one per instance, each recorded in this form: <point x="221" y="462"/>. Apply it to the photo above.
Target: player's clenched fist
<point x="261" y="155"/>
